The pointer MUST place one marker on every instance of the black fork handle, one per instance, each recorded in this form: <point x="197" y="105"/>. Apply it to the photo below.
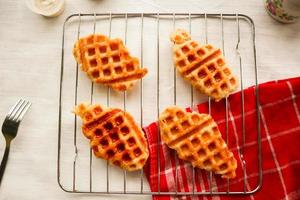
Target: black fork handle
<point x="4" y="161"/>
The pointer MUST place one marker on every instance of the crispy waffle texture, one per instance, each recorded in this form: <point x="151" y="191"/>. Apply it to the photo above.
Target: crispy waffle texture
<point x="197" y="139"/>
<point x="108" y="61"/>
<point x="114" y="136"/>
<point x="203" y="66"/>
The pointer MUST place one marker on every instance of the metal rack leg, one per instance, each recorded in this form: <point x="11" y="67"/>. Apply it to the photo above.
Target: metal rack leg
<point x="243" y="102"/>
<point x="124" y="100"/>
<point x="75" y="118"/>
<point x="192" y="108"/>
<point x="91" y="100"/>
<point x="108" y="104"/>
<point x="157" y="100"/>
<point x="175" y="102"/>
<point x="209" y="99"/>
<point x="226" y="99"/>
<point x="141" y="89"/>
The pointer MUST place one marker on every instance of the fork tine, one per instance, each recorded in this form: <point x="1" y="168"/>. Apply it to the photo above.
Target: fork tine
<point x="14" y="108"/>
<point x="23" y="111"/>
<point x="17" y="110"/>
<point x="20" y="110"/>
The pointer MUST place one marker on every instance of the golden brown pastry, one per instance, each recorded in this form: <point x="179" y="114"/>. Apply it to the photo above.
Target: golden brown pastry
<point x="114" y="136"/>
<point x="203" y="66"/>
<point x="108" y="61"/>
<point x="197" y="139"/>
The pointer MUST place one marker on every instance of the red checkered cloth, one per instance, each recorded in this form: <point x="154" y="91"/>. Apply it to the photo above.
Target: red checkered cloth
<point x="280" y="138"/>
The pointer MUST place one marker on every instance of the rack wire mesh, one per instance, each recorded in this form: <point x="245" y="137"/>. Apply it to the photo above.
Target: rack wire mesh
<point x="146" y="35"/>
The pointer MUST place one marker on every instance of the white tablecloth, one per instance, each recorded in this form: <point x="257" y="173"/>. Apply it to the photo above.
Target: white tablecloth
<point x="30" y="67"/>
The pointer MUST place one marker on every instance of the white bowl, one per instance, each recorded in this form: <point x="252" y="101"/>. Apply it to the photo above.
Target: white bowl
<point x="48" y="8"/>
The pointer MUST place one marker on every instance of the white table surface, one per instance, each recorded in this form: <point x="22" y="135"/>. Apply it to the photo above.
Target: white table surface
<point x="30" y="67"/>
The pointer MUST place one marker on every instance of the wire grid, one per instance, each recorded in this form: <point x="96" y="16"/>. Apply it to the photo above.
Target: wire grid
<point x="174" y="18"/>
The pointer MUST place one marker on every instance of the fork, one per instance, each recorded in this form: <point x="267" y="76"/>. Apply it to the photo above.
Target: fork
<point x="10" y="128"/>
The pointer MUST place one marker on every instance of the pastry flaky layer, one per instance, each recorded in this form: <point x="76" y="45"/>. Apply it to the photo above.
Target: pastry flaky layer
<point x="114" y="136"/>
<point x="197" y="139"/>
<point x="203" y="66"/>
<point x="107" y="61"/>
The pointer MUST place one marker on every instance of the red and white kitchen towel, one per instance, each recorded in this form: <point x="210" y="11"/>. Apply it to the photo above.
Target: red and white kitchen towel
<point x="280" y="138"/>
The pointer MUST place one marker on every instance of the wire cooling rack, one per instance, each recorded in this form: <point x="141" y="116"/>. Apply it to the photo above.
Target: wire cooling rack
<point x="146" y="35"/>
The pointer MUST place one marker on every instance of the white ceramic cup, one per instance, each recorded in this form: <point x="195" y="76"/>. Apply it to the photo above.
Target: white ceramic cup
<point x="286" y="11"/>
<point x="47" y="8"/>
